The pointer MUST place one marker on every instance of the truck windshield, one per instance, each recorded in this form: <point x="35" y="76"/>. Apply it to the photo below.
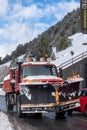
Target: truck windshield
<point x="37" y="70"/>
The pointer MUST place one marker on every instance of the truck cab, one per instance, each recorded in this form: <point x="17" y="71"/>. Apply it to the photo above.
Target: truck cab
<point x="38" y="86"/>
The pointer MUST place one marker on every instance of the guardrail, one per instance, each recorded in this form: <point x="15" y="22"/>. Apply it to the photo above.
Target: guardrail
<point x="73" y="60"/>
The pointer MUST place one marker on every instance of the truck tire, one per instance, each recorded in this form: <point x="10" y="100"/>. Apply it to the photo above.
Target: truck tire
<point x="60" y="115"/>
<point x="69" y="112"/>
<point x="38" y="115"/>
<point x="8" y="103"/>
<point x="86" y="111"/>
<point x="19" y="112"/>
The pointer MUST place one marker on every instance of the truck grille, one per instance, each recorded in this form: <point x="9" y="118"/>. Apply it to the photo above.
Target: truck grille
<point x="39" y="95"/>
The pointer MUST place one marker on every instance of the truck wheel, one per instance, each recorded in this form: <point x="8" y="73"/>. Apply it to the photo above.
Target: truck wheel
<point x="69" y="112"/>
<point x="19" y="112"/>
<point x="38" y="115"/>
<point x="8" y="105"/>
<point x="86" y="111"/>
<point x="60" y="115"/>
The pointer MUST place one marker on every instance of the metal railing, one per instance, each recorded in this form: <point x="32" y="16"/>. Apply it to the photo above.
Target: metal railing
<point x="73" y="60"/>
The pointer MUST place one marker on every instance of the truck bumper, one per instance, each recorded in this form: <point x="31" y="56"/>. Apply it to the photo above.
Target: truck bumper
<point x="41" y="108"/>
<point x="67" y="106"/>
<point x="30" y="108"/>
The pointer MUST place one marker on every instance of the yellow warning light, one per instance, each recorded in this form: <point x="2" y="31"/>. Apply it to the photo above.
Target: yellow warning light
<point x="43" y="59"/>
<point x="30" y="58"/>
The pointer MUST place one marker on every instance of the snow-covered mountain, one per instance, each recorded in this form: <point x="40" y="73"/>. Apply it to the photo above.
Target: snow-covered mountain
<point x="79" y="46"/>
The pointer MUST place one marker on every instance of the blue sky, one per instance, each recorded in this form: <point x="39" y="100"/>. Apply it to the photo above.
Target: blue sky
<point x="23" y="20"/>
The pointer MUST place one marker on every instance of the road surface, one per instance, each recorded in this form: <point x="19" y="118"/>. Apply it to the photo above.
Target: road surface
<point x="10" y="121"/>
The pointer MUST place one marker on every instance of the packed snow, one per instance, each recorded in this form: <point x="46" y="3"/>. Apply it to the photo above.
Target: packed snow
<point x="4" y="122"/>
<point x="2" y="92"/>
<point x="79" y="46"/>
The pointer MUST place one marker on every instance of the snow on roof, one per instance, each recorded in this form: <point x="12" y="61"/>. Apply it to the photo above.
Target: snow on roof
<point x="36" y="63"/>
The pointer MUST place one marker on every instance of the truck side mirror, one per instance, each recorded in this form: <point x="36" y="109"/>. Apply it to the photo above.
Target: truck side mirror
<point x="19" y="70"/>
<point x="60" y="72"/>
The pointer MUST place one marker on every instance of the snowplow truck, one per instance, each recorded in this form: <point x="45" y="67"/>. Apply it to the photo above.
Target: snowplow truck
<point x="35" y="87"/>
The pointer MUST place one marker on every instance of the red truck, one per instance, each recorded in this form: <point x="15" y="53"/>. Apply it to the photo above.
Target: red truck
<point x="35" y="87"/>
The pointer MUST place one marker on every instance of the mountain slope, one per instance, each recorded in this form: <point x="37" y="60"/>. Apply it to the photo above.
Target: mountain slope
<point x="79" y="46"/>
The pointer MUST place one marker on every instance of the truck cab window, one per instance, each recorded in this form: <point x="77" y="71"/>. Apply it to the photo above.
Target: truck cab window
<point x="36" y="70"/>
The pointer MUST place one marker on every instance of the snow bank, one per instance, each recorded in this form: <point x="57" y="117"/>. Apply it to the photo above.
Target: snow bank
<point x="4" y="122"/>
<point x="2" y="92"/>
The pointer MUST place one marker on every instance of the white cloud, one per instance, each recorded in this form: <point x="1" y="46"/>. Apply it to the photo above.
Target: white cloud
<point x="3" y="7"/>
<point x="35" y="12"/>
<point x="18" y="32"/>
<point x="6" y="49"/>
<point x="23" y="23"/>
<point x="19" y="12"/>
<point x="12" y="36"/>
<point x="39" y="28"/>
<point x="59" y="10"/>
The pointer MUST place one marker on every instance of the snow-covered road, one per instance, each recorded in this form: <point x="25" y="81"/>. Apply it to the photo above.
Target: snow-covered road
<point x="4" y="121"/>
